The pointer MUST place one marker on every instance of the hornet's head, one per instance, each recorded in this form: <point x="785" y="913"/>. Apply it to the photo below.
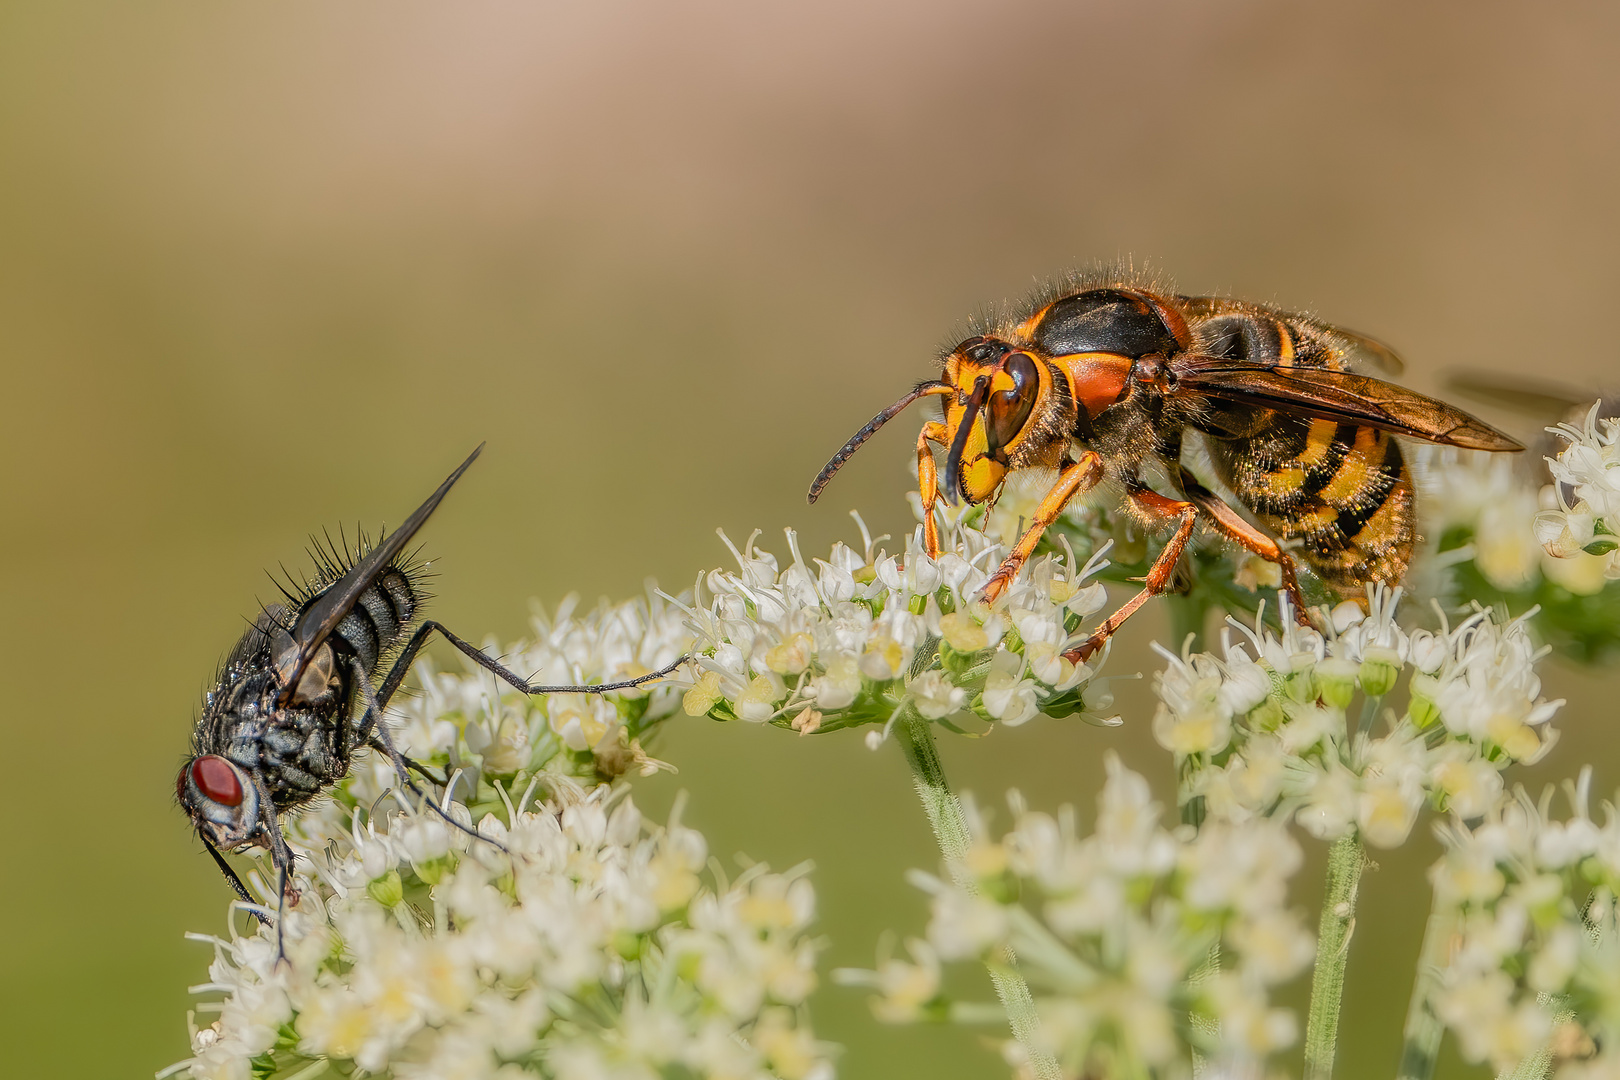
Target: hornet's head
<point x="996" y="418"/>
<point x="1001" y="406"/>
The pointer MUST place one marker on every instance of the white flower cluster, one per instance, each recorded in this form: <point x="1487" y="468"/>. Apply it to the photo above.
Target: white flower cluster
<point x="1532" y="902"/>
<point x="854" y="639"/>
<point x="473" y="722"/>
<point x="590" y="948"/>
<point x="1265" y="730"/>
<point x="1487" y="502"/>
<point x="1586" y="491"/>
<point x="1114" y="932"/>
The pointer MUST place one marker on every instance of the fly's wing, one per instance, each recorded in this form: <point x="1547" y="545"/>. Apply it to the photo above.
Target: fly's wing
<point x="1323" y="394"/>
<point x="317" y="621"/>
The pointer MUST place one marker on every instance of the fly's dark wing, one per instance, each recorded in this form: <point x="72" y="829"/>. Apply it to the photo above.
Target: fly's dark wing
<point x="317" y="621"/>
<point x="1342" y="396"/>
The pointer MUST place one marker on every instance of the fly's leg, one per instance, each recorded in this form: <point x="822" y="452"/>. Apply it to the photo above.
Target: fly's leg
<point x="236" y="882"/>
<point x="1158" y="576"/>
<point x="928" y="482"/>
<point x="443" y="781"/>
<point x="1231" y="525"/>
<point x="372" y="729"/>
<point x="396" y="674"/>
<point x="282" y="856"/>
<point x="1074" y="479"/>
<point x="402" y="765"/>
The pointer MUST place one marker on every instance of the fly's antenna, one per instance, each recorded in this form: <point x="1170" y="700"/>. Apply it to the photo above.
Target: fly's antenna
<point x="953" y="461"/>
<point x="922" y="390"/>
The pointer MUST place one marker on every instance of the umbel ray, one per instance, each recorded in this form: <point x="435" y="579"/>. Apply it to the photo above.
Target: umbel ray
<point x="1105" y="375"/>
<point x="294" y="700"/>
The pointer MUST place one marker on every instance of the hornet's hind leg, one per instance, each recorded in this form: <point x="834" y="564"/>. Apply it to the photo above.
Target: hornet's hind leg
<point x="1231" y="525"/>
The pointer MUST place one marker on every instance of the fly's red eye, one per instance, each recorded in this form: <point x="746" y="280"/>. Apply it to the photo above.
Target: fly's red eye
<point x="216" y="779"/>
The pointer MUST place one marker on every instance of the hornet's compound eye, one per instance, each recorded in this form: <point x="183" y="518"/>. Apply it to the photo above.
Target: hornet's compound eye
<point x="1009" y="409"/>
<point x="217" y="779"/>
<point x="983" y="350"/>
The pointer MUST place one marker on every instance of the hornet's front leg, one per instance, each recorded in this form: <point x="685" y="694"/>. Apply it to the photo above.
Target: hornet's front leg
<point x="928" y="482"/>
<point x="1081" y="476"/>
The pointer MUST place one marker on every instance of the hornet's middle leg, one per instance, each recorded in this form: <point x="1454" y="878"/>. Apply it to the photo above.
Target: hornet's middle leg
<point x="1158" y="575"/>
<point x="1231" y="525"/>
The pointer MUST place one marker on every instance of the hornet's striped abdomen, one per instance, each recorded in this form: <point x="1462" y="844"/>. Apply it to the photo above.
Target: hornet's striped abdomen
<point x="1342" y="490"/>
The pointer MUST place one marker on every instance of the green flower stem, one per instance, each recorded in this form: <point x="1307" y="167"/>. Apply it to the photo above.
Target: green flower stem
<point x="950" y="830"/>
<point x="1345" y="863"/>
<point x="1420" y="1044"/>
<point x="1539" y="1064"/>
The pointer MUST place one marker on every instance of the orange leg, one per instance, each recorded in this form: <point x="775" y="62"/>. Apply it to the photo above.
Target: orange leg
<point x="1080" y="476"/>
<point x="1231" y="525"/>
<point x="1158" y="576"/>
<point x="928" y="482"/>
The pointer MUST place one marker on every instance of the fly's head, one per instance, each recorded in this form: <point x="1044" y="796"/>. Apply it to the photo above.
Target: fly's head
<point x="222" y="801"/>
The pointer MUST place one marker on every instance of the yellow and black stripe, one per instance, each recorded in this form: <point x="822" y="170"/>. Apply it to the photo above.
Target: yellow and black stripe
<point x="1343" y="490"/>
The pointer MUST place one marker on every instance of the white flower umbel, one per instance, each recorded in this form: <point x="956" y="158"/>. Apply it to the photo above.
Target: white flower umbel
<point x="1489" y="499"/>
<point x="592" y="947"/>
<point x="1587" y="492"/>
<point x="1113" y="931"/>
<point x="1266" y="730"/>
<point x="860" y="636"/>
<point x="1533" y="967"/>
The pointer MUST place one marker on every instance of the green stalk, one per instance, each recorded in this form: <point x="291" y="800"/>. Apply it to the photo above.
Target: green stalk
<point x="1539" y="1064"/>
<point x="1345" y="862"/>
<point x="944" y="812"/>
<point x="1420" y="1044"/>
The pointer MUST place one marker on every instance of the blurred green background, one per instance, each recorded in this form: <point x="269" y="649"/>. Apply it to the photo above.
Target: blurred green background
<point x="266" y="268"/>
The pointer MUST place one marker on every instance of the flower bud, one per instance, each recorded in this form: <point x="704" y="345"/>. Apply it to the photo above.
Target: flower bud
<point x="1268" y="715"/>
<point x="433" y="871"/>
<point x="1379" y="667"/>
<point x="1301" y="679"/>
<point x="387" y="890"/>
<point x="1336" y="681"/>
<point x="1422" y="709"/>
<point x="1428" y="651"/>
<point x="962" y="633"/>
<point x="703" y="695"/>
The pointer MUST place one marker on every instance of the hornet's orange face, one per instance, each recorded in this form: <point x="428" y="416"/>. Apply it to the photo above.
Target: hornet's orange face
<point x="1000" y="394"/>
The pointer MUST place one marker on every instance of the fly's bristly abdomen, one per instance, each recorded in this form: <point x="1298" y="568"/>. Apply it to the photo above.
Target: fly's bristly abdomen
<point x="380" y="618"/>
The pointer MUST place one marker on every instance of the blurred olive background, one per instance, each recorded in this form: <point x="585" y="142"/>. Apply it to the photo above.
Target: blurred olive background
<point x="267" y="268"/>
